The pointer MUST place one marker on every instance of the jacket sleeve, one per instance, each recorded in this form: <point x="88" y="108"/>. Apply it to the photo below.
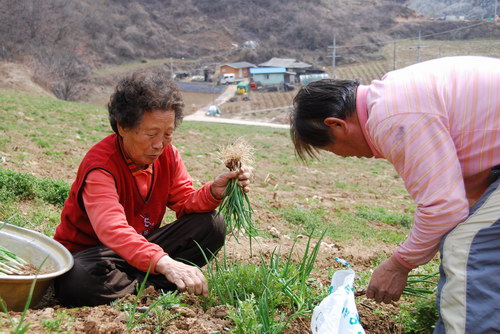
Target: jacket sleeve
<point x="183" y="197"/>
<point x="108" y="219"/>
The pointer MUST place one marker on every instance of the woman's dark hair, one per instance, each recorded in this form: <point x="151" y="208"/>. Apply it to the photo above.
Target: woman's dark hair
<point x="312" y="104"/>
<point x="141" y="92"/>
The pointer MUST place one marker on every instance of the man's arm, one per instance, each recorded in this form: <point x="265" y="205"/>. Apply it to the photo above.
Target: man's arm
<point x="423" y="153"/>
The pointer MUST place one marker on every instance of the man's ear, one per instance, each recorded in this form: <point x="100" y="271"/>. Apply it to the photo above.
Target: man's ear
<point x="338" y="127"/>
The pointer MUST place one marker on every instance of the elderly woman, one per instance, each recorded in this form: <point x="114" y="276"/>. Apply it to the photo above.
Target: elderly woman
<point x="111" y="220"/>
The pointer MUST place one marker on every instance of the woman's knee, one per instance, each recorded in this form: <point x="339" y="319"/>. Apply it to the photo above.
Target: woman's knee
<point x="91" y="284"/>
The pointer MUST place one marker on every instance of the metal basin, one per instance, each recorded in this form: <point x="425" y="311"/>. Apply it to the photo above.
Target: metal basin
<point x="33" y="247"/>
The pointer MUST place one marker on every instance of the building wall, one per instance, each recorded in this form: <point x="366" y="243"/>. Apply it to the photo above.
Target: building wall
<point x="238" y="72"/>
<point x="228" y="69"/>
<point x="271" y="79"/>
<point x="244" y="72"/>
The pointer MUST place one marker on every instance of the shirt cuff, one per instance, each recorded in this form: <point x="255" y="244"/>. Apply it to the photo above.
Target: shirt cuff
<point x="154" y="259"/>
<point x="405" y="264"/>
<point x="210" y="197"/>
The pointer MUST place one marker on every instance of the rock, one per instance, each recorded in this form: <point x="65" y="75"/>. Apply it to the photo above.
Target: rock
<point x="274" y="232"/>
<point x="327" y="245"/>
<point x="184" y="311"/>
<point x="219" y="312"/>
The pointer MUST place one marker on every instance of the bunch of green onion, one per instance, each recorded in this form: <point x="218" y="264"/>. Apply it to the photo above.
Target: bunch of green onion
<point x="420" y="285"/>
<point x="236" y="206"/>
<point x="11" y="264"/>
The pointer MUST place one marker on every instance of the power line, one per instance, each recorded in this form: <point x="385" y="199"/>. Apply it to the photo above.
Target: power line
<point x="411" y="39"/>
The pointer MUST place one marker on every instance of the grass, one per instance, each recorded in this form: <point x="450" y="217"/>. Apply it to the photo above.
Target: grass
<point x="24" y="186"/>
<point x="155" y="316"/>
<point x="278" y="287"/>
<point x="381" y="214"/>
<point x="419" y="317"/>
<point x="62" y="322"/>
<point x="350" y="199"/>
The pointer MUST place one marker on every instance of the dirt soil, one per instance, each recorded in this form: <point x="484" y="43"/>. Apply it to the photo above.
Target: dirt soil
<point x="192" y="318"/>
<point x="19" y="77"/>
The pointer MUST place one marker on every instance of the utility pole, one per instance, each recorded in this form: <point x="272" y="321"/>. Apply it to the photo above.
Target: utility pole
<point x="172" y="75"/>
<point x="333" y="56"/>
<point x="418" y="46"/>
<point x="215" y="81"/>
<point x="394" y="55"/>
<point x="495" y="11"/>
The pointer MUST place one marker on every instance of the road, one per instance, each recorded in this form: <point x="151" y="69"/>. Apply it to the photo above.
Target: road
<point x="201" y="114"/>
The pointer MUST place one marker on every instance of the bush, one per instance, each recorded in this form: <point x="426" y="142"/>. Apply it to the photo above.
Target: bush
<point x="24" y="186"/>
<point x="421" y="317"/>
<point x="53" y="191"/>
<point x="21" y="186"/>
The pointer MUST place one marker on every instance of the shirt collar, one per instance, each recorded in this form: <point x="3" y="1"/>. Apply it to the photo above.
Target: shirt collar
<point x="131" y="165"/>
<point x="362" y="113"/>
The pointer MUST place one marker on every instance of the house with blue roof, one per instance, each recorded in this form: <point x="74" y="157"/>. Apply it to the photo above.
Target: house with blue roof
<point x="272" y="76"/>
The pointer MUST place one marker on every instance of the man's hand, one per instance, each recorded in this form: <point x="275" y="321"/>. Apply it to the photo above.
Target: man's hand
<point x="218" y="188"/>
<point x="388" y="281"/>
<point x="186" y="277"/>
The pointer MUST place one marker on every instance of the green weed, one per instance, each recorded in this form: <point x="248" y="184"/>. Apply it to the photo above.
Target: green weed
<point x="271" y="288"/>
<point x="381" y="214"/>
<point x="61" y="323"/>
<point x="419" y="317"/>
<point x="24" y="186"/>
<point x="42" y="143"/>
<point x="245" y="317"/>
<point x="307" y="219"/>
<point x="157" y="309"/>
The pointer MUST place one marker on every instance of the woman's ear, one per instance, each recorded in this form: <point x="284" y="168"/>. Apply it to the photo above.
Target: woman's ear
<point x="121" y="130"/>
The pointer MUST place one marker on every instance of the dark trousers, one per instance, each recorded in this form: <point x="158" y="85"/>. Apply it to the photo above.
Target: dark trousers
<point x="100" y="276"/>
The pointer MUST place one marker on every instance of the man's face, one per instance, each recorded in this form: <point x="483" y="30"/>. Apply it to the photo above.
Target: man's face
<point x="344" y="149"/>
<point x="145" y="142"/>
<point x="349" y="139"/>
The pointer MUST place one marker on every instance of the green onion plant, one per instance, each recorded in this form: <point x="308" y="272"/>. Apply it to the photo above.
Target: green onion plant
<point x="10" y="263"/>
<point x="421" y="285"/>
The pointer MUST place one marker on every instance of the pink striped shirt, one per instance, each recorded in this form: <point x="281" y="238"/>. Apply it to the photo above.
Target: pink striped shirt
<point x="438" y="123"/>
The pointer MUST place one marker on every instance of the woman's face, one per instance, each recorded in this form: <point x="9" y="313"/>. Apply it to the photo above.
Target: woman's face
<point x="145" y="142"/>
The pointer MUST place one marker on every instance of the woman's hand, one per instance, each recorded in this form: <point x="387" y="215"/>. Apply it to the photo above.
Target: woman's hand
<point x="218" y="187"/>
<point x="185" y="277"/>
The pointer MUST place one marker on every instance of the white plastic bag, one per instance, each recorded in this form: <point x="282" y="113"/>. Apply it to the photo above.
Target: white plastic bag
<point x="337" y="313"/>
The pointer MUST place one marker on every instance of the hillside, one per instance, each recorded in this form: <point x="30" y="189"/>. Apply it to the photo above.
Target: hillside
<point x="116" y="31"/>
<point x="470" y="9"/>
<point x="64" y="42"/>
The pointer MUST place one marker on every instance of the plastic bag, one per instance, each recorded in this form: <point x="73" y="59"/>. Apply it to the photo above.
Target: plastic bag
<point x="337" y="313"/>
